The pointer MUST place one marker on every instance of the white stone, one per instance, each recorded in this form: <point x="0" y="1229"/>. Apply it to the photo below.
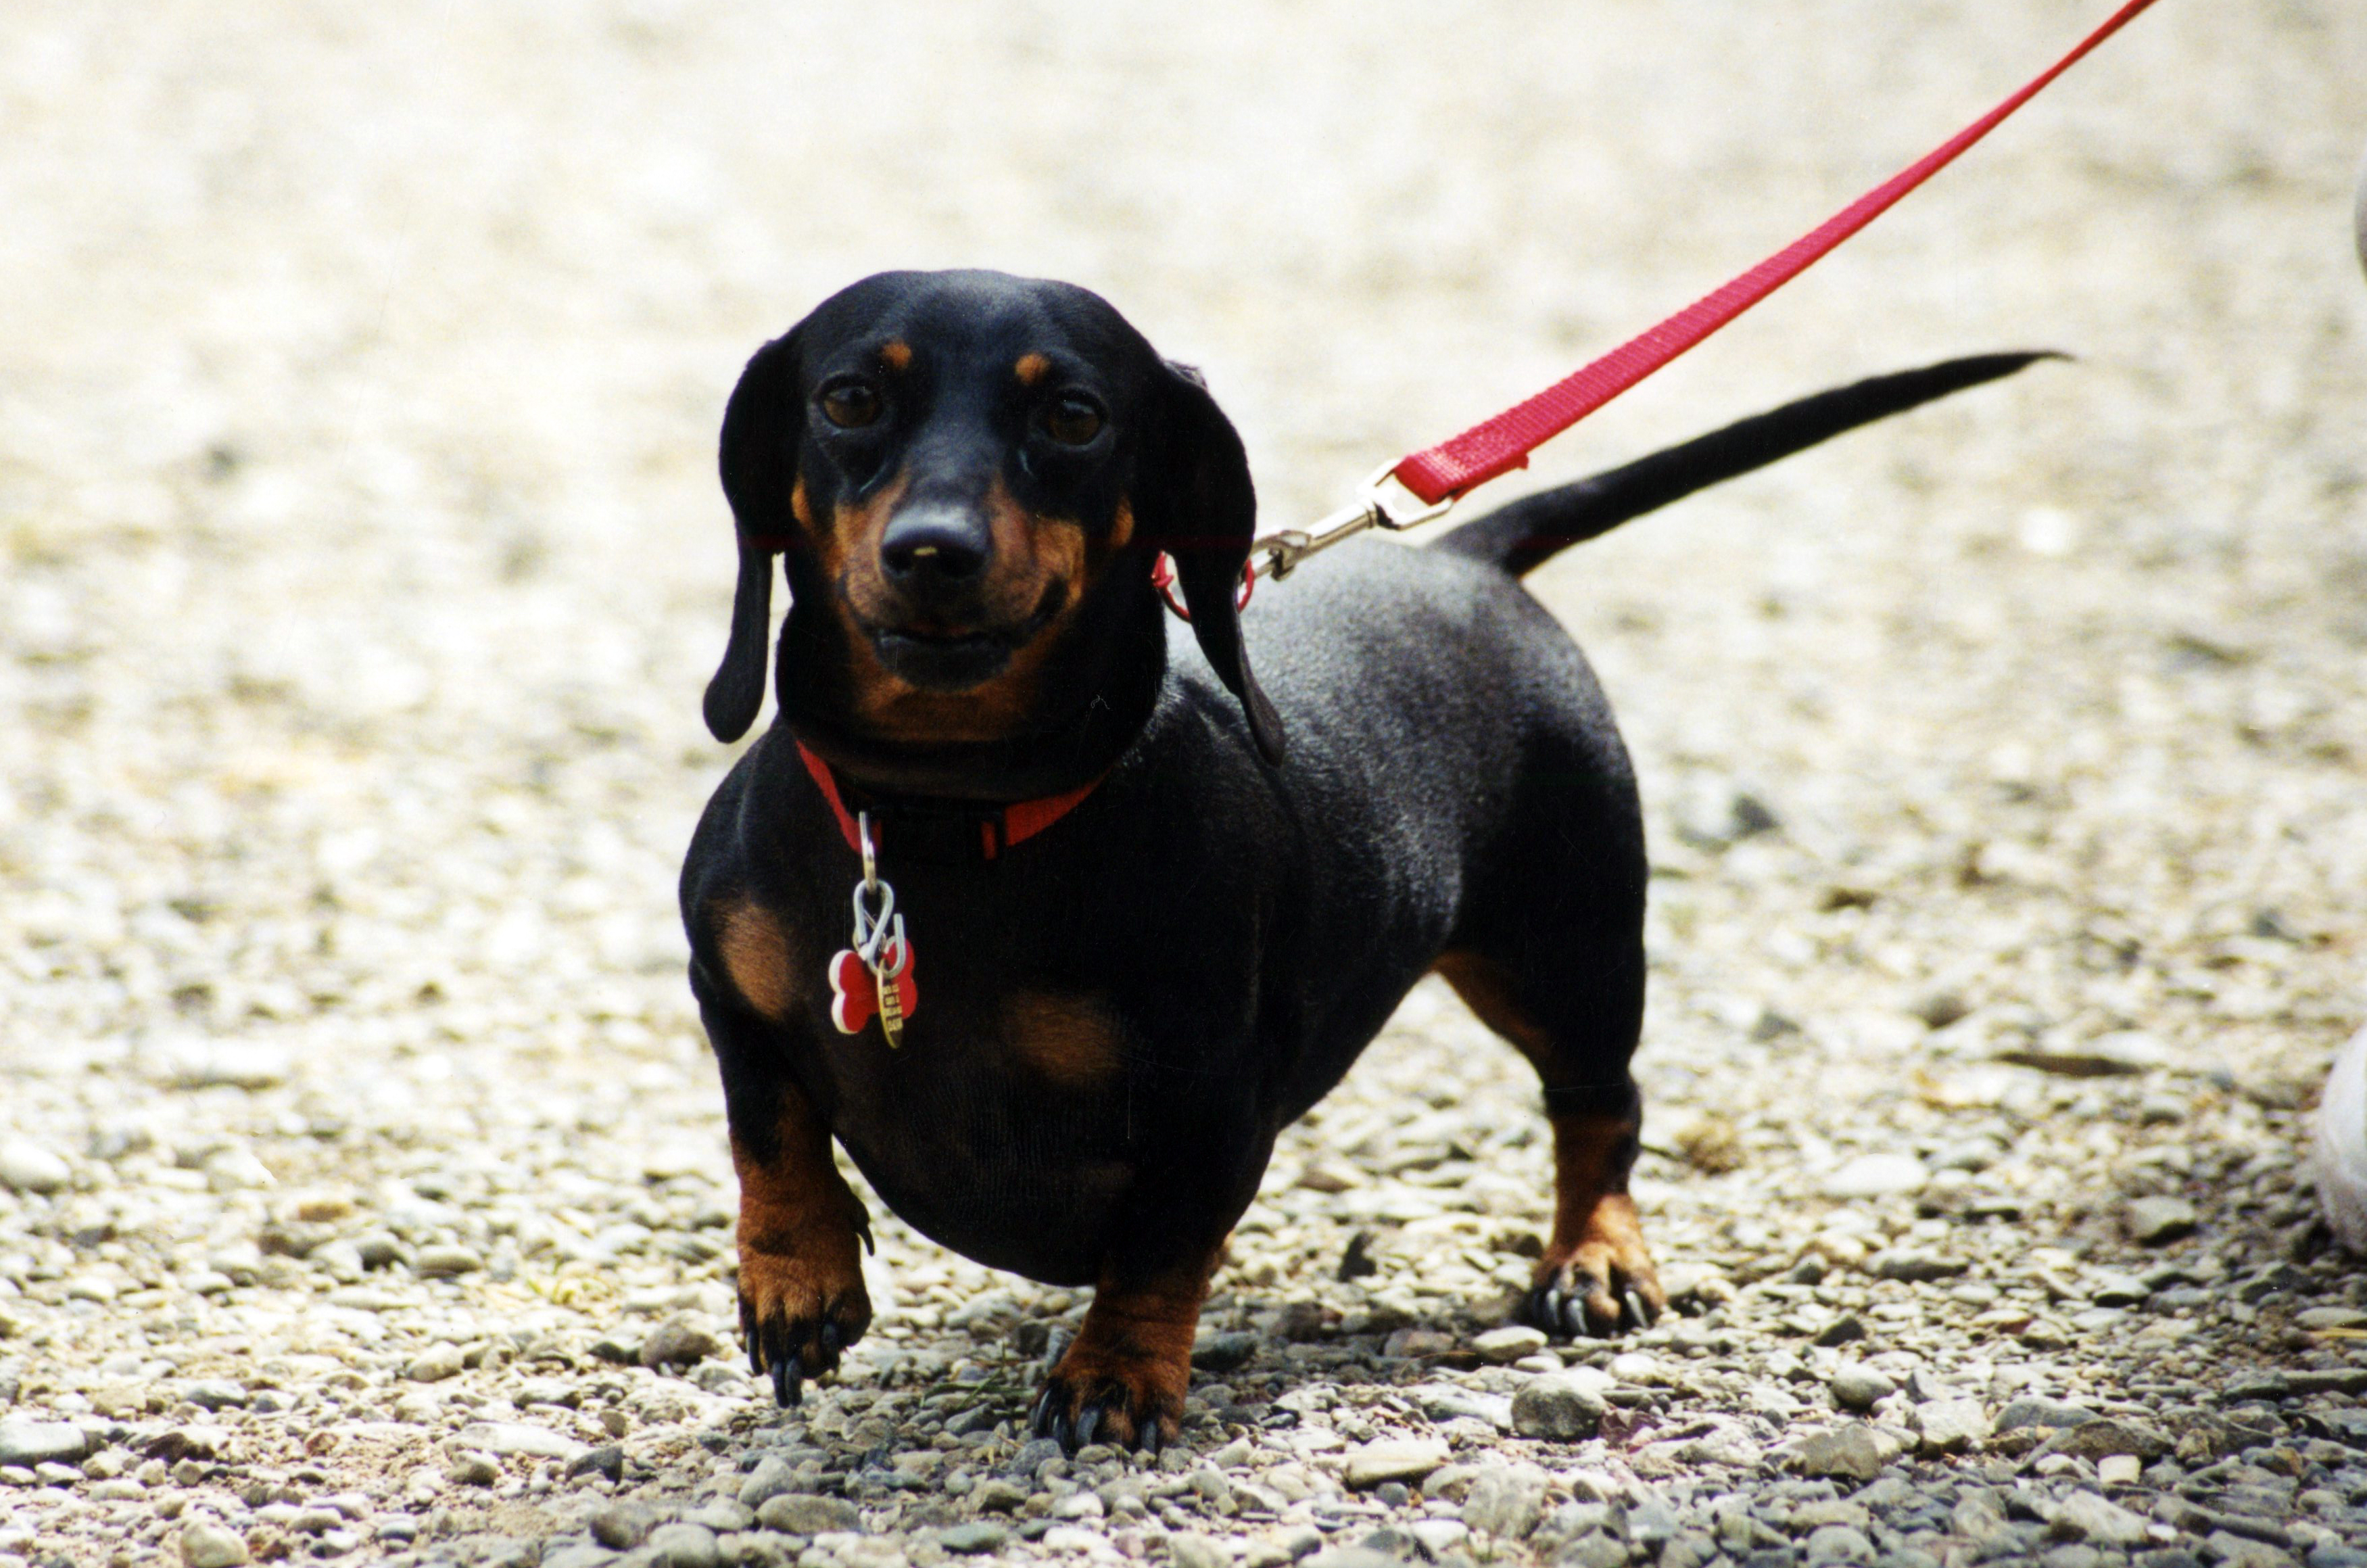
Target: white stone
<point x="26" y="1167"/>
<point x="519" y="1438"/>
<point x="1876" y="1175"/>
<point x="205" y="1544"/>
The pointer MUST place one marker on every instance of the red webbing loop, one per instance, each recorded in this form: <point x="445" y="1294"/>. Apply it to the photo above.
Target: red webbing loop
<point x="1162" y="577"/>
<point x="1503" y="443"/>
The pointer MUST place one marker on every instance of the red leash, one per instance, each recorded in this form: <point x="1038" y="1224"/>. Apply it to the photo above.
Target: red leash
<point x="1442" y="474"/>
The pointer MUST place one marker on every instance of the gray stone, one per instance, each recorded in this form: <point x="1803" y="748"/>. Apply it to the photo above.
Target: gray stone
<point x="1857" y="1386"/>
<point x="580" y="1557"/>
<point x="1950" y="1425"/>
<point x="1826" y="1511"/>
<point x="31" y="1443"/>
<point x="1448" y="1401"/>
<point x="804" y="1513"/>
<point x="1187" y="1548"/>
<point x="771" y="1477"/>
<point x="473" y="1470"/>
<point x="2084" y="1515"/>
<point x="722" y="1516"/>
<point x="678" y="1341"/>
<point x="1846" y="1329"/>
<point x="436" y="1363"/>
<point x="1914" y="1266"/>
<point x="1852" y="1452"/>
<point x="1558" y="1408"/>
<point x="622" y="1525"/>
<point x="1407" y="1459"/>
<point x="980" y="1535"/>
<point x="1839" y="1544"/>
<point x="1504" y="1502"/>
<point x="518" y="1437"/>
<point x="2094" y="1440"/>
<point x="205" y="1544"/>
<point x="683" y="1546"/>
<point x="1507" y="1344"/>
<point x="2228" y="1549"/>
<point x="996" y="1495"/>
<point x="2151" y="1221"/>
<point x="1598" y="1550"/>
<point x="2113" y="1288"/>
<point x="214" y="1393"/>
<point x="2039" y="1411"/>
<point x="608" y="1460"/>
<point x="1223" y="1352"/>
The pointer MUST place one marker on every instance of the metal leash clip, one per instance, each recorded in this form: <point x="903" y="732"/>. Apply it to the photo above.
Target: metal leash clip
<point x="1374" y="508"/>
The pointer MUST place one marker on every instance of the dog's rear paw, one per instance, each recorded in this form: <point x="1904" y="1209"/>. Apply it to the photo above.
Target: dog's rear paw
<point x="1605" y="1286"/>
<point x="1126" y="1401"/>
<point x="797" y="1318"/>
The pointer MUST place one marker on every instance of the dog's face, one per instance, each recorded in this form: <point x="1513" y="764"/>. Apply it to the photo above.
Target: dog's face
<point x="969" y="475"/>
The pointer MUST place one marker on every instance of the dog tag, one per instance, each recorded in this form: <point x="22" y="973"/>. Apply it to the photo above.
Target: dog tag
<point x="856" y="994"/>
<point x="891" y="1007"/>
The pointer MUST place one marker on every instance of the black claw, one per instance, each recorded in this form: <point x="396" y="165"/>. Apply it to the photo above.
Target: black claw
<point x="1039" y="1419"/>
<point x="1639" y="1310"/>
<point x="1148" y="1437"/>
<point x="1088" y="1423"/>
<point x="1064" y="1432"/>
<point x="1573" y="1318"/>
<point x="785" y="1390"/>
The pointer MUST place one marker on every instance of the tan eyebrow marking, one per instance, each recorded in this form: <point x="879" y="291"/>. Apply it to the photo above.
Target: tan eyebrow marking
<point x="1031" y="369"/>
<point x="896" y="354"/>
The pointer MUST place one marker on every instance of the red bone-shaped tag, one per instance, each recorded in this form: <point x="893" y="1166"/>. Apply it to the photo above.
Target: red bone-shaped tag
<point x="855" y="993"/>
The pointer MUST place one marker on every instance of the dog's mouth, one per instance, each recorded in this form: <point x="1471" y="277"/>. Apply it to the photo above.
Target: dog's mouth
<point x="937" y="657"/>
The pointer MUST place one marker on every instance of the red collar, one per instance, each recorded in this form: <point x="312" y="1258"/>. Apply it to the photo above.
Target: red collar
<point x="998" y="827"/>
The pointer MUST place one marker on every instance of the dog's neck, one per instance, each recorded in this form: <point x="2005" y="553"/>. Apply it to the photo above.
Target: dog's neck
<point x="1093" y="716"/>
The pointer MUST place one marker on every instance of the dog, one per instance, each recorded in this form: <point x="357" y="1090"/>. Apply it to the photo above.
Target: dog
<point x="1154" y="901"/>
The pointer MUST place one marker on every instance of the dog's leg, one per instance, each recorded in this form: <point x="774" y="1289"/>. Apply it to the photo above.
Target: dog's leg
<point x="1122" y="1379"/>
<point x="1596" y="1276"/>
<point x="802" y="1295"/>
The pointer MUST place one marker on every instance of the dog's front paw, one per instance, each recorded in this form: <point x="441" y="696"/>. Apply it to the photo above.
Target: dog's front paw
<point x="1123" y="1396"/>
<point x="1604" y="1284"/>
<point x="797" y="1315"/>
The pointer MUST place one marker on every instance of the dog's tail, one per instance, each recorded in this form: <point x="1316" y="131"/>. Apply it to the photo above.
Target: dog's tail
<point x="1533" y="530"/>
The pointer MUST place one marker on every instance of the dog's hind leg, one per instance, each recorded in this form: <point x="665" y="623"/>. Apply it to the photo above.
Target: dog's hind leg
<point x="1596" y="1276"/>
<point x="1551" y="957"/>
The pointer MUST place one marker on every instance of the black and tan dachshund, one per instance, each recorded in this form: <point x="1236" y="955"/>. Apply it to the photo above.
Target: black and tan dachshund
<point x="1153" y="904"/>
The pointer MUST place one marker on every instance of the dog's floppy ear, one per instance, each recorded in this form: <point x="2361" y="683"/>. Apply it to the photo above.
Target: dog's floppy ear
<point x="759" y="462"/>
<point x="1202" y="510"/>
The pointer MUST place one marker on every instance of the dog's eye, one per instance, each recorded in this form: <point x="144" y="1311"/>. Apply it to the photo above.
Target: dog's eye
<point x="1074" y="420"/>
<point x="850" y="405"/>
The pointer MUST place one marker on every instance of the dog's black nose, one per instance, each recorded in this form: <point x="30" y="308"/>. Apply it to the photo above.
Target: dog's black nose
<point x="928" y="546"/>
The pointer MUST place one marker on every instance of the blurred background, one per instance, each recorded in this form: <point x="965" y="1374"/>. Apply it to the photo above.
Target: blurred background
<point x="359" y="374"/>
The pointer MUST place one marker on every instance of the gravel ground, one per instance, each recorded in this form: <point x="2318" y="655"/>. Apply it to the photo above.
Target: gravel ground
<point x="362" y="1175"/>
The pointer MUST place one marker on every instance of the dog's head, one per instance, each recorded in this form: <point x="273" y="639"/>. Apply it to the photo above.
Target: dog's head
<point x="970" y="476"/>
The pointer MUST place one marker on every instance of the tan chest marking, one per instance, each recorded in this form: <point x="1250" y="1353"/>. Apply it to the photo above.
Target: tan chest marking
<point x="1070" y="1040"/>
